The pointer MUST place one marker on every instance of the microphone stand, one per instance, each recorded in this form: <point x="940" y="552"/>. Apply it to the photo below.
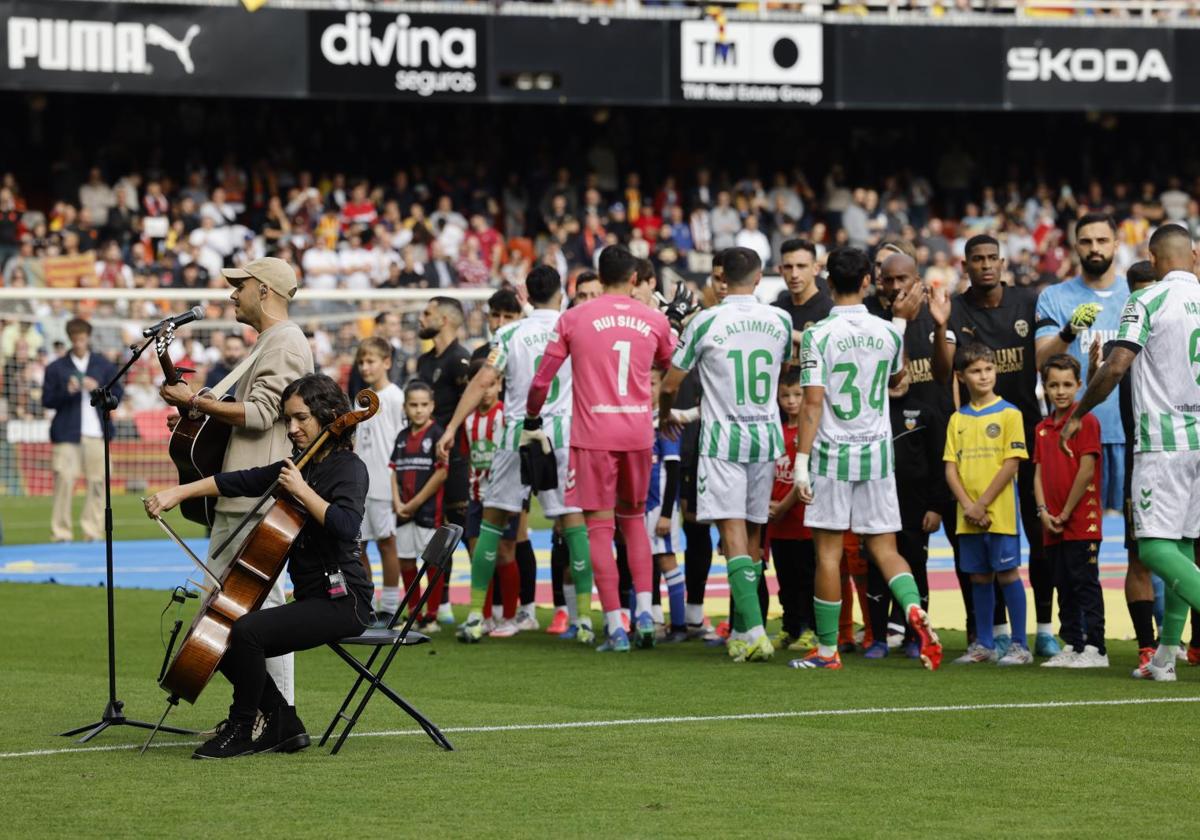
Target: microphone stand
<point x="114" y="712"/>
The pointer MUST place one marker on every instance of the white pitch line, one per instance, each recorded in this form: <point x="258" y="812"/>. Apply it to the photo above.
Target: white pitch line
<point x="597" y="724"/>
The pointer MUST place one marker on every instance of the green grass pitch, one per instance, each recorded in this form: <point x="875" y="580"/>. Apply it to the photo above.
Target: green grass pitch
<point x="1070" y="770"/>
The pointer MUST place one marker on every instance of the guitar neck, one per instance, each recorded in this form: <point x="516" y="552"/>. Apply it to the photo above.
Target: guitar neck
<point x="170" y="374"/>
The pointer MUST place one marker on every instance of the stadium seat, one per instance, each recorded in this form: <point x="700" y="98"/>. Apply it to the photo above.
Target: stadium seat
<point x="434" y="558"/>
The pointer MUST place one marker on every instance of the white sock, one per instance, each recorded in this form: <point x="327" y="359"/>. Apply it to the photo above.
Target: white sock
<point x="643" y="601"/>
<point x="612" y="620"/>
<point x="1000" y="630"/>
<point x="1048" y="629"/>
<point x="529" y="609"/>
<point x="826" y="652"/>
<point x="694" y="614"/>
<point x="389" y="599"/>
<point x="755" y="633"/>
<point x="656" y="612"/>
<point x="497" y="612"/>
<point x="569" y="597"/>
<point x="1165" y="655"/>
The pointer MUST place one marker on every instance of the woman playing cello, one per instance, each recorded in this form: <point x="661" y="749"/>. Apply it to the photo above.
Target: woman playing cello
<point x="331" y="590"/>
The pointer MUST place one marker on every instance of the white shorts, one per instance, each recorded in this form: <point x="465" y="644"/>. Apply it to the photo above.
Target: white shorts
<point x="673" y="541"/>
<point x="506" y="492"/>
<point x="1166" y="495"/>
<point x="411" y="540"/>
<point x="729" y="490"/>
<point x="864" y="507"/>
<point x="379" y="520"/>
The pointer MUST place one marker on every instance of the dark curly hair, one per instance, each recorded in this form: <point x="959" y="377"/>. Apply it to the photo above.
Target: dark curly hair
<point x="325" y="400"/>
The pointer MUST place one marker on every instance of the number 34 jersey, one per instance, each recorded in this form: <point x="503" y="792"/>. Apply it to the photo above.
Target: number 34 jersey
<point x="852" y="354"/>
<point x="739" y="347"/>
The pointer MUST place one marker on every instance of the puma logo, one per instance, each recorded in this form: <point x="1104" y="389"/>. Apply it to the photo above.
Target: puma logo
<point x="156" y="36"/>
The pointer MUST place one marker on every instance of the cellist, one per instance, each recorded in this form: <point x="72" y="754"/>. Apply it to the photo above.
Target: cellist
<point x="331" y="590"/>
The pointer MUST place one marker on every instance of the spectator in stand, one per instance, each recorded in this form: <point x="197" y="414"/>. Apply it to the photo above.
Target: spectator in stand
<point x="618" y="224"/>
<point x="439" y="271"/>
<point x="111" y="270"/>
<point x="725" y="222"/>
<point x="321" y="266"/>
<point x="233" y="350"/>
<point x="359" y="211"/>
<point x="751" y="237"/>
<point x="856" y="222"/>
<point x="76" y="433"/>
<point x="96" y="196"/>
<point x="355" y="263"/>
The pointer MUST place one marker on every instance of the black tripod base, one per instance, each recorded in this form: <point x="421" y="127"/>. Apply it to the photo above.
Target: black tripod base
<point x="114" y="716"/>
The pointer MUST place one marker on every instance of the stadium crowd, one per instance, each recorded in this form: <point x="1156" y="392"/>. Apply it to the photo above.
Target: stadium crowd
<point x="147" y="229"/>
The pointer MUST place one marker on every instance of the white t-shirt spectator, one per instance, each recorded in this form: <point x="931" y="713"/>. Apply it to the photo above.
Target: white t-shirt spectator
<point x="321" y="266"/>
<point x="726" y="222"/>
<point x="756" y="241"/>
<point x="1175" y="204"/>
<point x="355" y="265"/>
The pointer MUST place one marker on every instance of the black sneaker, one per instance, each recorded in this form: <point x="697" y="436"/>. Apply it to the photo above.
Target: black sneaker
<point x="282" y="732"/>
<point x="232" y="741"/>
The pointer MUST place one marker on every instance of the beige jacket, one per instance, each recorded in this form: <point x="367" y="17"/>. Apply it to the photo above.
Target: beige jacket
<point x="283" y="357"/>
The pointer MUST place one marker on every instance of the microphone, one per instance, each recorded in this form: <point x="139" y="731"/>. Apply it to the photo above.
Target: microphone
<point x="193" y="314"/>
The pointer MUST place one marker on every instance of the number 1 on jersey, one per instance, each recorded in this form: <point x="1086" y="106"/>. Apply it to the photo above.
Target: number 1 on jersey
<point x="623" y="349"/>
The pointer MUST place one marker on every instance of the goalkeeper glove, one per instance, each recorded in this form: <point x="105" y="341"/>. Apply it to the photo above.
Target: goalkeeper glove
<point x="1082" y="318"/>
<point x="678" y="308"/>
<point x="539" y="468"/>
<point x="532" y="434"/>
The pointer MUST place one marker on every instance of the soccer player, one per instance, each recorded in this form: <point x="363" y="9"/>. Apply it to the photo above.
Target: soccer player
<point x="1083" y="311"/>
<point x="848" y="361"/>
<point x="1144" y="594"/>
<point x="1160" y="328"/>
<point x="517" y="352"/>
<point x="1069" y="501"/>
<point x="1003" y="318"/>
<point x="611" y="342"/>
<point x="985" y="443"/>
<point x="376" y="439"/>
<point x="739" y="348"/>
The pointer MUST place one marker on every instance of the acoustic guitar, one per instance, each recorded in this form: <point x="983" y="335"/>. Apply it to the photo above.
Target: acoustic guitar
<point x="198" y="442"/>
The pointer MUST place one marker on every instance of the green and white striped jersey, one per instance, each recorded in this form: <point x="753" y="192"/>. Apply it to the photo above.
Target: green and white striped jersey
<point x="517" y="350"/>
<point x="739" y="347"/>
<point x="852" y="354"/>
<point x="1162" y="323"/>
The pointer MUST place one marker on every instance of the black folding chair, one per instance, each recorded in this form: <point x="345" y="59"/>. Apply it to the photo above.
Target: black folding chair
<point x="435" y="558"/>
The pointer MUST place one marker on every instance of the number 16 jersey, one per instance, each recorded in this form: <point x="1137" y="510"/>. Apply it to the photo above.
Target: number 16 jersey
<point x="852" y="354"/>
<point x="739" y="347"/>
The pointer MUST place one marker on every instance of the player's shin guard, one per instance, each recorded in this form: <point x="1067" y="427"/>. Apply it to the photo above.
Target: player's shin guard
<point x="1172" y="560"/>
<point x="483" y="563"/>
<point x="904" y="589"/>
<point x="641" y="562"/>
<point x="827" y="614"/>
<point x="604" y="562"/>
<point x="743" y="584"/>
<point x="577" y="542"/>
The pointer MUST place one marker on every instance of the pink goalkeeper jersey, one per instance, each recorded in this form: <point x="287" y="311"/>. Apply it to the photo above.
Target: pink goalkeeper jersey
<point x="613" y="341"/>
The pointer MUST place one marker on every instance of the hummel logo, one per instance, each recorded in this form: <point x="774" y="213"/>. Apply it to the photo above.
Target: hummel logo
<point x="748" y="574"/>
<point x="1146" y="494"/>
<point x="1145" y="505"/>
<point x="578" y="565"/>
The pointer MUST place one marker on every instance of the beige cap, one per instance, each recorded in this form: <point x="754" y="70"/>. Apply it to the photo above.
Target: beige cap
<point x="274" y="273"/>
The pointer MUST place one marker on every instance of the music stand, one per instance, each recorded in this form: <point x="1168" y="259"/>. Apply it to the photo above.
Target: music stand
<point x="114" y="711"/>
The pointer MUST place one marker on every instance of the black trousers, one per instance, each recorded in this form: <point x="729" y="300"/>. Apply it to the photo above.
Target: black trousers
<point x="298" y="625"/>
<point x="697" y="559"/>
<point x="1041" y="570"/>
<point x="1080" y="598"/>
<point x="795" y="569"/>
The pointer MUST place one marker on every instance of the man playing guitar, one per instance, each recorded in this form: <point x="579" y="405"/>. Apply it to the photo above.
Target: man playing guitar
<point x="262" y="291"/>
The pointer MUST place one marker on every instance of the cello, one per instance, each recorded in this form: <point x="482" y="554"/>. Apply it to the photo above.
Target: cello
<point x="251" y="574"/>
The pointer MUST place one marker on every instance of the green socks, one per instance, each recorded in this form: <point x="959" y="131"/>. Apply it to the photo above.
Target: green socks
<point x="828" y="614"/>
<point x="576" y="539"/>
<point x="1174" y="562"/>
<point x="904" y="589"/>
<point x="483" y="563"/>
<point x="743" y="584"/>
